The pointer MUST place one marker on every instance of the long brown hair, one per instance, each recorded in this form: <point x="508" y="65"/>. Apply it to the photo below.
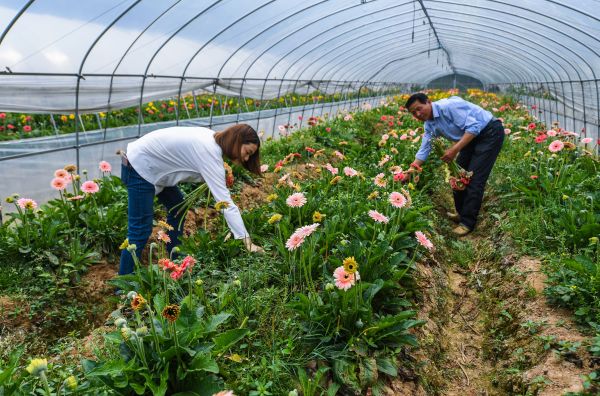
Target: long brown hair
<point x="233" y="138"/>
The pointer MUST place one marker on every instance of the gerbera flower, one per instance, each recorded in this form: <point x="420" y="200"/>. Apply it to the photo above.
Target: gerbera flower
<point x="61" y="173"/>
<point x="379" y="180"/>
<point x="162" y="236"/>
<point x="105" y="166"/>
<point x="124" y="245"/>
<point x="224" y="393"/>
<point x="306" y="230"/>
<point x="424" y="241"/>
<point x="378" y="217"/>
<point x="343" y="280"/>
<point x="556" y="146"/>
<point x="90" y="187"/>
<point x="276" y="218"/>
<point x="164" y="225"/>
<point x="397" y="200"/>
<point x="166" y="264"/>
<point x="138" y="302"/>
<point x="264" y="168"/>
<point x="37" y="367"/>
<point x="541" y="138"/>
<point x="350" y="265"/>
<point x="318" y="217"/>
<point x="171" y="312"/>
<point x="334" y="171"/>
<point x="373" y="195"/>
<point x="296" y="200"/>
<point x="551" y="133"/>
<point x="221" y="205"/>
<point x="294" y="242"/>
<point x="188" y="262"/>
<point x="58" y="183"/>
<point x="350" y="172"/>
<point x="70" y="168"/>
<point x="339" y="155"/>
<point x="27" y="203"/>
<point x="335" y="180"/>
<point x="586" y="140"/>
<point x="271" y="197"/>
<point x="384" y="160"/>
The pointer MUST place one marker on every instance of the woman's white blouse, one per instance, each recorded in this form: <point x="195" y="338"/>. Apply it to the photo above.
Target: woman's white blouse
<point x="168" y="156"/>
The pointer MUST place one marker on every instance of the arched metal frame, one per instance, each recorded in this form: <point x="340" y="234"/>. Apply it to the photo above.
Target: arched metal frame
<point x="549" y="72"/>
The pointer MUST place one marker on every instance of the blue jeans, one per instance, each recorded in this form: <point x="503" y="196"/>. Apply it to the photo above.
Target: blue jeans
<point x="140" y="211"/>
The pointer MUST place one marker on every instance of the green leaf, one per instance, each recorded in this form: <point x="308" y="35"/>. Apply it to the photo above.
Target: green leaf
<point x="110" y="368"/>
<point x="204" y="362"/>
<point x="367" y="373"/>
<point x="225" y="340"/>
<point x="386" y="366"/>
<point x="216" y="321"/>
<point x="159" y="302"/>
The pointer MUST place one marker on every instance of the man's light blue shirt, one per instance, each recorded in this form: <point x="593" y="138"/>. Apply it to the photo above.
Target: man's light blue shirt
<point x="452" y="117"/>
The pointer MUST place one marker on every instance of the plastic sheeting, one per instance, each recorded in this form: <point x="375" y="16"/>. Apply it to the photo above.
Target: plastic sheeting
<point x="30" y="176"/>
<point x="96" y="56"/>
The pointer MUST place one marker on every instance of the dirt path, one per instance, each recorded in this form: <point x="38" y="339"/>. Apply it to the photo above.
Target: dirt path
<point x="489" y="328"/>
<point x="464" y="333"/>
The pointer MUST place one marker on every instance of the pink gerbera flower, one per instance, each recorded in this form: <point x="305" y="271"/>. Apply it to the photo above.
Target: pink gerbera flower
<point x="296" y="200"/>
<point x="294" y="241"/>
<point x="397" y="200"/>
<point x="105" y="166"/>
<point x="378" y="217"/>
<point x="61" y="173"/>
<point x="188" y="262"/>
<point x="551" y="133"/>
<point x="344" y="280"/>
<point x="424" y="241"/>
<point x="90" y="187"/>
<point x="586" y="140"/>
<point x="264" y="168"/>
<point x="162" y="236"/>
<point x="58" y="183"/>
<point x="385" y="159"/>
<point x="306" y="230"/>
<point x="339" y="155"/>
<point x="379" y="180"/>
<point x="330" y="168"/>
<point x="27" y="203"/>
<point x="556" y="146"/>
<point x="350" y="172"/>
<point x="507" y="131"/>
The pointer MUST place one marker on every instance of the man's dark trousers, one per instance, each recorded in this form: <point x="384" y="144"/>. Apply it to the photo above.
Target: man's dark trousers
<point x="479" y="157"/>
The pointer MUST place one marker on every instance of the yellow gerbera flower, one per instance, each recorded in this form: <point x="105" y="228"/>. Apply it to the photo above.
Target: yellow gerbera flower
<point x="221" y="205"/>
<point x="37" y="367"/>
<point x="276" y="218"/>
<point x="272" y="197"/>
<point x="318" y="217"/>
<point x="125" y="244"/>
<point x="350" y="265"/>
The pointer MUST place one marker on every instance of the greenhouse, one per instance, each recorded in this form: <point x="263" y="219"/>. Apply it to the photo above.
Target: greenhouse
<point x="324" y="197"/>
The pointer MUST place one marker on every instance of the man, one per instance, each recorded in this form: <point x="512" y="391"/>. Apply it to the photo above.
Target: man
<point x="477" y="136"/>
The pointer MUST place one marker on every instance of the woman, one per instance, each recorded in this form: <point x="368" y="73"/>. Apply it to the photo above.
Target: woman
<point x="158" y="161"/>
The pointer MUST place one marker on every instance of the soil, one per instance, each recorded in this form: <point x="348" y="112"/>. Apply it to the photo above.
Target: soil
<point x="469" y="346"/>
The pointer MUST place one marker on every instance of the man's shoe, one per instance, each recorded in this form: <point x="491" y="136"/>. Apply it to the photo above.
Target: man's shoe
<point x="455" y="217"/>
<point x="461" y="230"/>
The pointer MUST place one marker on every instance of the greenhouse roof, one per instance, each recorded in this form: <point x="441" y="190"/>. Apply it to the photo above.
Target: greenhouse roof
<point x="57" y="55"/>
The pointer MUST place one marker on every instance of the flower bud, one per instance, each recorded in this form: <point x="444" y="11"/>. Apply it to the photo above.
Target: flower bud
<point x="120" y="323"/>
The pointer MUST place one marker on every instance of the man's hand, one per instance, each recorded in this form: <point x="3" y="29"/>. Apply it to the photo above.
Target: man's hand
<point x="449" y="155"/>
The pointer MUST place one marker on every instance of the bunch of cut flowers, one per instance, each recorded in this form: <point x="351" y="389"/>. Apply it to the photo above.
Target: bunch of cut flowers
<point x="458" y="177"/>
